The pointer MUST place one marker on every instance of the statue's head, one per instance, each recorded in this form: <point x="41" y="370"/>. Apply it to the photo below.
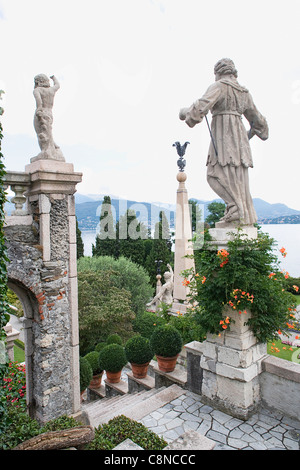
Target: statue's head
<point x="167" y="275"/>
<point x="41" y="80"/>
<point x="225" y="67"/>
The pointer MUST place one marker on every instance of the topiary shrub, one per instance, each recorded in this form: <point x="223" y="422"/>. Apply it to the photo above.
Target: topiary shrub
<point x="86" y="373"/>
<point x="93" y="359"/>
<point x="100" y="346"/>
<point x="145" y="323"/>
<point x="166" y="341"/>
<point x="114" y="339"/>
<point x="112" y="358"/>
<point x="138" y="350"/>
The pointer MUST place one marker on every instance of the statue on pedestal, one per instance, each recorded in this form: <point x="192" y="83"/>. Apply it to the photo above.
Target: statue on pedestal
<point x="229" y="155"/>
<point x="165" y="294"/>
<point x="43" y="118"/>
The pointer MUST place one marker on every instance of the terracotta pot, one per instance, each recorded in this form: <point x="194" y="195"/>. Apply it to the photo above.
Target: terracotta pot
<point x="96" y="381"/>
<point x="139" y="370"/>
<point x="113" y="377"/>
<point x="166" y="364"/>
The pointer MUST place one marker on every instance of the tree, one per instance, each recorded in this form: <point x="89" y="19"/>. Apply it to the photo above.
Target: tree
<point x="124" y="274"/>
<point x="217" y="210"/>
<point x="130" y="237"/>
<point x="106" y="243"/>
<point x="161" y="249"/>
<point x="103" y="309"/>
<point x="79" y="242"/>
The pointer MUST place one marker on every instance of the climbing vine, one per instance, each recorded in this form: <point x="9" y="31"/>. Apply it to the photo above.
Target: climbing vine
<point x="247" y="275"/>
<point x="4" y="317"/>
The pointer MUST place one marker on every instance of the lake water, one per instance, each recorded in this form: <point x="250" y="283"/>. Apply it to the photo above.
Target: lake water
<point x="286" y="235"/>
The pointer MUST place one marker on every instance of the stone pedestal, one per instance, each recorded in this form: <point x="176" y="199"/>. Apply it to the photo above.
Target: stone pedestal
<point x="231" y="362"/>
<point x="183" y="246"/>
<point x="231" y="366"/>
<point x="222" y="233"/>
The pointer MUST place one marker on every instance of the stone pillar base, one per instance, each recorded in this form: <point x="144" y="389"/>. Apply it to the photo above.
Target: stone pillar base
<point x="231" y="364"/>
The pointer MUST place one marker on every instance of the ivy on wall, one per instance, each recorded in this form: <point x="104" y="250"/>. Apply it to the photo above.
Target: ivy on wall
<point x="4" y="317"/>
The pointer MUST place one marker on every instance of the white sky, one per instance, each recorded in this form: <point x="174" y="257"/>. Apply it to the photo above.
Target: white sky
<point x="126" y="67"/>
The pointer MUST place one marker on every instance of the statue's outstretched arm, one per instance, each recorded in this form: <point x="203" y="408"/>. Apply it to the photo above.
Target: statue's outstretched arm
<point x="56" y="85"/>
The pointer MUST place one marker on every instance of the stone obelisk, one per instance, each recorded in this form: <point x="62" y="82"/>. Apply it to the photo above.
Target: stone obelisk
<point x="183" y="237"/>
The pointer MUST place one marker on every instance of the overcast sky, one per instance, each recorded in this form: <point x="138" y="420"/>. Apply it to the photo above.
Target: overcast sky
<point x="126" y="67"/>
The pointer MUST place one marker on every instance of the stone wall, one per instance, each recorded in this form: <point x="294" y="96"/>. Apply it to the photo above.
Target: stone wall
<point x="280" y="386"/>
<point x="279" y="381"/>
<point x="43" y="273"/>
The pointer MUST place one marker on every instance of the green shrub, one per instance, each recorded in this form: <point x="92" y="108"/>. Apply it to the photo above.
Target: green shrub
<point x="86" y="373"/>
<point x="114" y="339"/>
<point x="110" y="434"/>
<point x="58" y="424"/>
<point x="138" y="350"/>
<point x="103" y="309"/>
<point x="112" y="358"/>
<point x="124" y="274"/>
<point x="93" y="359"/>
<point x="166" y="341"/>
<point x="100" y="346"/>
<point x="20" y="427"/>
<point x="145" y="323"/>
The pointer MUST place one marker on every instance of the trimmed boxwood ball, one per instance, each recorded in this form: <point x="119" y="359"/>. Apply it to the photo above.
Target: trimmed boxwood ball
<point x="93" y="358"/>
<point x="112" y="358"/>
<point x="138" y="350"/>
<point x="114" y="339"/>
<point x="166" y="341"/>
<point x="86" y="373"/>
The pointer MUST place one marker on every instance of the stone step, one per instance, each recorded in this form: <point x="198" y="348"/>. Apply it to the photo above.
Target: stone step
<point x="157" y="400"/>
<point x="101" y="411"/>
<point x="134" y="406"/>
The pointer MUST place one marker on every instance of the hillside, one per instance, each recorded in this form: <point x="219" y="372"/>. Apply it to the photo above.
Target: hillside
<point x="88" y="211"/>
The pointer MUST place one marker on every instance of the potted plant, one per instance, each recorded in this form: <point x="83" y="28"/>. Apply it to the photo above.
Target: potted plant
<point x="166" y="343"/>
<point x="93" y="359"/>
<point x="139" y="353"/>
<point x="85" y="374"/>
<point x="112" y="359"/>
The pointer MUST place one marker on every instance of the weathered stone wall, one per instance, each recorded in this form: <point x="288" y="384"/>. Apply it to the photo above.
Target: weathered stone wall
<point x="42" y="272"/>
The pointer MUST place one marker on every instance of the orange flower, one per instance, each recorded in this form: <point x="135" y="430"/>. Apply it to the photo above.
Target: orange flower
<point x="224" y="326"/>
<point x="203" y="279"/>
<point x="296" y="288"/>
<point x="271" y="275"/>
<point x="185" y="282"/>
<point x="283" y="252"/>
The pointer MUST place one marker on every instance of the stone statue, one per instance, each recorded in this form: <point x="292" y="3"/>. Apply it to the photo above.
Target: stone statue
<point x="229" y="155"/>
<point x="43" y="119"/>
<point x="165" y="293"/>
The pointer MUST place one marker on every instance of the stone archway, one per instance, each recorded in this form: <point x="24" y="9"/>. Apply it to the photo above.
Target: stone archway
<point x="30" y="309"/>
<point x="42" y="271"/>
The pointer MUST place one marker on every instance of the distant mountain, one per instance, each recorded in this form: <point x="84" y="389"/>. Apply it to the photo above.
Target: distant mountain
<point x="88" y="208"/>
<point x="88" y="213"/>
<point x="266" y="213"/>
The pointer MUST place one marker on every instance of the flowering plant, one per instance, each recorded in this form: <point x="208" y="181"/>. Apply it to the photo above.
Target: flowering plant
<point x="240" y="278"/>
<point x="13" y="387"/>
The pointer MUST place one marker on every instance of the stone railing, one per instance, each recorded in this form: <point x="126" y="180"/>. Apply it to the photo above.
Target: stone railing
<point x="19" y="183"/>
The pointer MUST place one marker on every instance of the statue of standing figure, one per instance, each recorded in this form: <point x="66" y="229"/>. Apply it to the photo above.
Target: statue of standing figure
<point x="43" y="118"/>
<point x="165" y="294"/>
<point x="229" y="155"/>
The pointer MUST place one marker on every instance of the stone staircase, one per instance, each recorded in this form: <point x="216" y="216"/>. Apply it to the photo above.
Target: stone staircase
<point x="135" y="405"/>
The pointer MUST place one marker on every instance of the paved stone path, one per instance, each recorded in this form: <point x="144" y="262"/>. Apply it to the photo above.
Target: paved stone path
<point x="263" y="431"/>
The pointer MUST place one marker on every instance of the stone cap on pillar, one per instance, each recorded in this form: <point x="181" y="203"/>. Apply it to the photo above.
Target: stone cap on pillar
<point x="52" y="177"/>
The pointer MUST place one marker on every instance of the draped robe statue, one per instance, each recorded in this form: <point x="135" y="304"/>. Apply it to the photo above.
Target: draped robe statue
<point x="229" y="155"/>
